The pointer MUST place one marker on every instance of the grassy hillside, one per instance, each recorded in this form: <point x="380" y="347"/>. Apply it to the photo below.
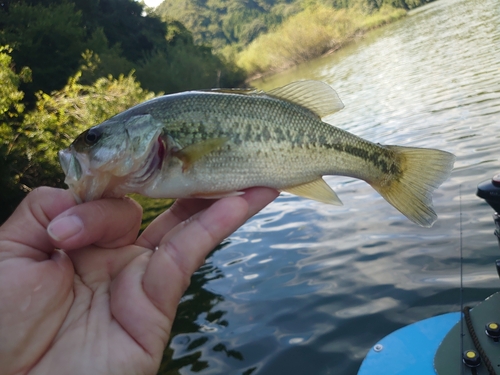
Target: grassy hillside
<point x="309" y="34"/>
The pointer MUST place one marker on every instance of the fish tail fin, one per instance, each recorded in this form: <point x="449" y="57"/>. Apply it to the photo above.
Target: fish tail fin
<point x="422" y="171"/>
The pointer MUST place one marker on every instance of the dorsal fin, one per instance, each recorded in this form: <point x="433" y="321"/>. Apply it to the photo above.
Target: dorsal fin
<point x="241" y="91"/>
<point x="316" y="96"/>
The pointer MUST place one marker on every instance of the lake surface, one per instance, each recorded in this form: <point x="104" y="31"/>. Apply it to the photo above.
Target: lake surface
<point x="308" y="288"/>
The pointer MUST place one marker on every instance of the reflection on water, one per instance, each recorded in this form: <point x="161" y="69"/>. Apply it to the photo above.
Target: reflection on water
<point x="308" y="288"/>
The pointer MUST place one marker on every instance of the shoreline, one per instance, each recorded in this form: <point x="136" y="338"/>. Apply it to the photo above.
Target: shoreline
<point x="357" y="34"/>
<point x="285" y="68"/>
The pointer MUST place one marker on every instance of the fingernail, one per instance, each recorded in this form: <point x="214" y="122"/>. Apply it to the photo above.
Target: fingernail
<point x="65" y="227"/>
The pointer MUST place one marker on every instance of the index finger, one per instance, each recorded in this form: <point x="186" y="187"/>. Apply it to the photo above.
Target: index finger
<point x="181" y="210"/>
<point x="181" y="253"/>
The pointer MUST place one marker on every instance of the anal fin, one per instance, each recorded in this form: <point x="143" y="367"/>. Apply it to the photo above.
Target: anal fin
<point x="317" y="190"/>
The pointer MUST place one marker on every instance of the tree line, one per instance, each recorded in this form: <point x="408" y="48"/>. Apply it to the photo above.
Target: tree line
<point x="235" y="23"/>
<point x="49" y="37"/>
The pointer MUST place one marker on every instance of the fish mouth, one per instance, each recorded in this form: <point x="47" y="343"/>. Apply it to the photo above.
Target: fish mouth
<point x="72" y="168"/>
<point x="70" y="164"/>
<point x="78" y="178"/>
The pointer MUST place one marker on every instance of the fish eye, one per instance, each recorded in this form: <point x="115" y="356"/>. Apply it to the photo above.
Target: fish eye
<point x="92" y="136"/>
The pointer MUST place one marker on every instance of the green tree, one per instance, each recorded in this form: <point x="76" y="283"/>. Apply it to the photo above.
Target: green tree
<point x="11" y="109"/>
<point x="224" y="22"/>
<point x="124" y="24"/>
<point x="106" y="60"/>
<point x="50" y="36"/>
<point x="237" y="23"/>
<point x="48" y="39"/>
<point x="186" y="66"/>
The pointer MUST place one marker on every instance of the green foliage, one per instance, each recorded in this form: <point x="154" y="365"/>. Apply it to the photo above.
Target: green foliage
<point x="10" y="96"/>
<point x="236" y="23"/>
<point x="386" y="14"/>
<point x="303" y="36"/>
<point x="406" y="4"/>
<point x="187" y="67"/>
<point x="101" y="60"/>
<point x="48" y="39"/>
<point x="227" y="22"/>
<point x="309" y="34"/>
<point x="11" y="110"/>
<point x="50" y="36"/>
<point x="124" y="25"/>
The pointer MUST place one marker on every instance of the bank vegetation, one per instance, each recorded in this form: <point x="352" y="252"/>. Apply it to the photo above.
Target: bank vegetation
<point x="309" y="34"/>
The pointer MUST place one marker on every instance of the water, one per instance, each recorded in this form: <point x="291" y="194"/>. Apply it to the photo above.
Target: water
<point x="307" y="288"/>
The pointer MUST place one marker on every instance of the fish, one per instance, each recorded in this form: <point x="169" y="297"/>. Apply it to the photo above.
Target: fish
<point x="216" y="143"/>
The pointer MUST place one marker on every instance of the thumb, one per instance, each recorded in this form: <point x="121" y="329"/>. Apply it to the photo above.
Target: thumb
<point x="27" y="226"/>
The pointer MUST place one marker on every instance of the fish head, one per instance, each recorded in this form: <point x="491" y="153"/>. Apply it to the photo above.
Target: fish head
<point x="110" y="159"/>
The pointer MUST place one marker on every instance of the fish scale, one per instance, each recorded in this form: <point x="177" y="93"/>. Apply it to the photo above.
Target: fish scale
<point x="281" y="125"/>
<point x="212" y="144"/>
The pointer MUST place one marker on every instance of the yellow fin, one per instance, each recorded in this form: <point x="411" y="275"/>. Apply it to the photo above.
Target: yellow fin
<point x="190" y="154"/>
<point x="423" y="170"/>
<point x="317" y="190"/>
<point x="316" y="96"/>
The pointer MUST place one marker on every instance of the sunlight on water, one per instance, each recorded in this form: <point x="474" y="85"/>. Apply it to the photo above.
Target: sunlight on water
<point x="307" y="288"/>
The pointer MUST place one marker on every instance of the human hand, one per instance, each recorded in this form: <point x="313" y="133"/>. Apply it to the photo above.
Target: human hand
<point x="104" y="305"/>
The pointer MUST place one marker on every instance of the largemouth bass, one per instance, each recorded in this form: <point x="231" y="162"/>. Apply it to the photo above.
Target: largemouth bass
<point x="216" y="143"/>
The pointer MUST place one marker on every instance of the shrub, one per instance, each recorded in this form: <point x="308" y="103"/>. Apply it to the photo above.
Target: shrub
<point x="31" y="140"/>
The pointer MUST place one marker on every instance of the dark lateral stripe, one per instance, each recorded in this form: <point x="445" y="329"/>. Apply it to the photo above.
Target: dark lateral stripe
<point x="377" y="158"/>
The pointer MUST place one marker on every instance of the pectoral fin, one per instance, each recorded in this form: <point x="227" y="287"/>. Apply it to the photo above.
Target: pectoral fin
<point x="317" y="190"/>
<point x="190" y="154"/>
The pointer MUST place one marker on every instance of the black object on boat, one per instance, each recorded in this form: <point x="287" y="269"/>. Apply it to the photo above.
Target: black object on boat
<point x="490" y="192"/>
